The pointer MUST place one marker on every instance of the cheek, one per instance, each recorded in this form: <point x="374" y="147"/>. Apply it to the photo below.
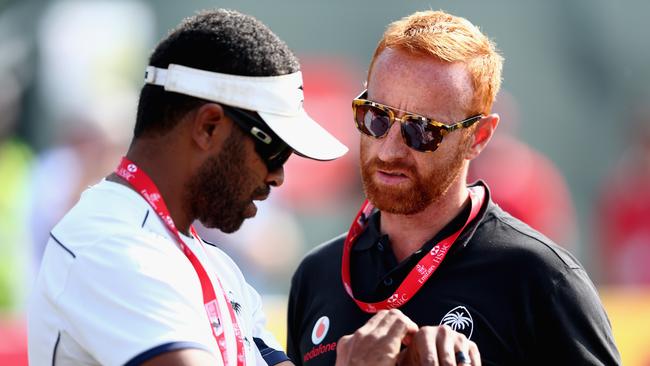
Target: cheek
<point x="367" y="147"/>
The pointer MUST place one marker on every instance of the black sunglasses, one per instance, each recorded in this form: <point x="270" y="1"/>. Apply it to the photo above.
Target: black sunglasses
<point x="419" y="133"/>
<point x="271" y="148"/>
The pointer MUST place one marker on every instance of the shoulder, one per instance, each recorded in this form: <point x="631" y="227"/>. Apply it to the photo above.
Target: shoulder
<point x="322" y="261"/>
<point x="516" y="242"/>
<point x="332" y="247"/>
<point x="105" y="234"/>
<point x="105" y="210"/>
<point x="326" y="253"/>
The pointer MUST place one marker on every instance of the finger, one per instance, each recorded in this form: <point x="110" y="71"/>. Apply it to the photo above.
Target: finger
<point x="391" y="331"/>
<point x="462" y="350"/>
<point x="342" y="350"/>
<point x="403" y="358"/>
<point x="372" y="323"/>
<point x="462" y="358"/>
<point x="446" y="344"/>
<point x="399" y="326"/>
<point x="343" y="342"/>
<point x="474" y="354"/>
<point x="423" y="347"/>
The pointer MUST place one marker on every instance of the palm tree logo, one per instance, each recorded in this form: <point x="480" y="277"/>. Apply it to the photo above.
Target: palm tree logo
<point x="460" y="320"/>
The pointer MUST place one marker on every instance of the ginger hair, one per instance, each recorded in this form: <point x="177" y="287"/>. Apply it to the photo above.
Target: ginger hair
<point x="449" y="38"/>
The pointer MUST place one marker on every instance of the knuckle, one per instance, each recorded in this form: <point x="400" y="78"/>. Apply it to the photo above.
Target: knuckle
<point x="344" y="340"/>
<point x="372" y="337"/>
<point x="461" y="338"/>
<point x="445" y="331"/>
<point x="428" y="359"/>
<point x="394" y="312"/>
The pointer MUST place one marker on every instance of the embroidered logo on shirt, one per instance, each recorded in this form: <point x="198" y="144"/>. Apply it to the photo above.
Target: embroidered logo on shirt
<point x="460" y="320"/>
<point x="320" y="330"/>
<point x="318" y="334"/>
<point x="235" y="305"/>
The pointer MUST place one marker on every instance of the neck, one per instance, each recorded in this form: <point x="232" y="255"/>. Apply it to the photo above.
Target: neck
<point x="162" y="162"/>
<point x="408" y="233"/>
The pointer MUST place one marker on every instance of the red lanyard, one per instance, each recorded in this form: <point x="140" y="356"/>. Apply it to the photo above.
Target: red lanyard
<point x="141" y="182"/>
<point x="418" y="275"/>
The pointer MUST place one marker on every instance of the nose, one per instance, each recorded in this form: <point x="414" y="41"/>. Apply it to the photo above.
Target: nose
<point x="275" y="177"/>
<point x="392" y="146"/>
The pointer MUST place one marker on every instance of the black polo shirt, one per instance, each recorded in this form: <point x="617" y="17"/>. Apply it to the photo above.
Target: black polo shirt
<point x="520" y="297"/>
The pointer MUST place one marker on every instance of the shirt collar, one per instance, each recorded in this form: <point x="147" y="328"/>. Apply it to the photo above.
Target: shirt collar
<point x="372" y="235"/>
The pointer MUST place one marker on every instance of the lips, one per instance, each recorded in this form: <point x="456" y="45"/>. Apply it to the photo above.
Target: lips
<point x="261" y="198"/>
<point x="261" y="194"/>
<point x="393" y="173"/>
<point x="391" y="177"/>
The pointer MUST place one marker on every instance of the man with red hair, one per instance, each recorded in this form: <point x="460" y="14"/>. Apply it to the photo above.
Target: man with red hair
<point x="432" y="246"/>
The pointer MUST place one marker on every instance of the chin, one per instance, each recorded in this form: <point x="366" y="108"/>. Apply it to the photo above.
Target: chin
<point x="227" y="226"/>
<point x="230" y="229"/>
<point x="396" y="201"/>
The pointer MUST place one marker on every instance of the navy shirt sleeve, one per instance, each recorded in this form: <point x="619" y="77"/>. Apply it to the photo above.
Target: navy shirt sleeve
<point x="293" y="319"/>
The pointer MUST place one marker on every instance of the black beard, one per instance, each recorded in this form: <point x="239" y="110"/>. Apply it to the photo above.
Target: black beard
<point x="221" y="190"/>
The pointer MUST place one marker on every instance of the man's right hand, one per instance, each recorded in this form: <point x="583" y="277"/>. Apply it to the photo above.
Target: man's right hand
<point x="378" y="341"/>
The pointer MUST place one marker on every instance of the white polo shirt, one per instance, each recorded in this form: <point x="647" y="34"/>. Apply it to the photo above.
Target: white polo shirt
<point x="115" y="289"/>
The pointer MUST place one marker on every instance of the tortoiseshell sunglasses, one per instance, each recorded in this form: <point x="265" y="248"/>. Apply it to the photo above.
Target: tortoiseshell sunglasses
<point x="419" y="133"/>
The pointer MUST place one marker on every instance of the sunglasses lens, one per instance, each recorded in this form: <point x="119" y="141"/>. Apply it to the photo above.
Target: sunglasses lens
<point x="276" y="161"/>
<point x="371" y="120"/>
<point x="421" y="136"/>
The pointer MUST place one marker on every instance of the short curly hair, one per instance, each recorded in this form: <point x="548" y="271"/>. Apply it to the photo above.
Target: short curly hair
<point x="449" y="38"/>
<point x="220" y="40"/>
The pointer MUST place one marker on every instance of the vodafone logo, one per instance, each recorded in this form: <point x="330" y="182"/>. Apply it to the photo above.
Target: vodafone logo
<point x="131" y="168"/>
<point x="320" y="329"/>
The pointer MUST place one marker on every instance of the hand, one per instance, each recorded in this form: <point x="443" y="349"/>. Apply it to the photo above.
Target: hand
<point x="377" y="342"/>
<point x="439" y="346"/>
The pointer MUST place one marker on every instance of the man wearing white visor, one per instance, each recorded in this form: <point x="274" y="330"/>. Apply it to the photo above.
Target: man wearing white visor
<point x="125" y="279"/>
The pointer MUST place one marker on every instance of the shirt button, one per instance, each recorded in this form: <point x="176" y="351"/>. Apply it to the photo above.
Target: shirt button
<point x="380" y="247"/>
<point x="388" y="281"/>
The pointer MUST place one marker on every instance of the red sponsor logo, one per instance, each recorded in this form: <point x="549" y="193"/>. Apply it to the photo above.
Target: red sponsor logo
<point x="320" y="330"/>
<point x="425" y="274"/>
<point x="125" y="174"/>
<point x="318" y="351"/>
<point x="152" y="198"/>
<point x="396" y="300"/>
<point x="438" y="252"/>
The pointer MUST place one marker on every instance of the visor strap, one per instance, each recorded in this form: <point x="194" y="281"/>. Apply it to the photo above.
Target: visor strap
<point x="155" y="76"/>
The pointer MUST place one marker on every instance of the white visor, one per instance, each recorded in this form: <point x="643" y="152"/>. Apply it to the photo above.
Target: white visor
<point x="277" y="99"/>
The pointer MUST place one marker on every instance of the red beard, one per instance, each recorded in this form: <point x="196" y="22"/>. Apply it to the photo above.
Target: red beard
<point x="418" y="193"/>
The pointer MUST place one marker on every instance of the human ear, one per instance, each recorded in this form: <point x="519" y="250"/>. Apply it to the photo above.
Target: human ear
<point x="208" y="127"/>
<point x="482" y="134"/>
